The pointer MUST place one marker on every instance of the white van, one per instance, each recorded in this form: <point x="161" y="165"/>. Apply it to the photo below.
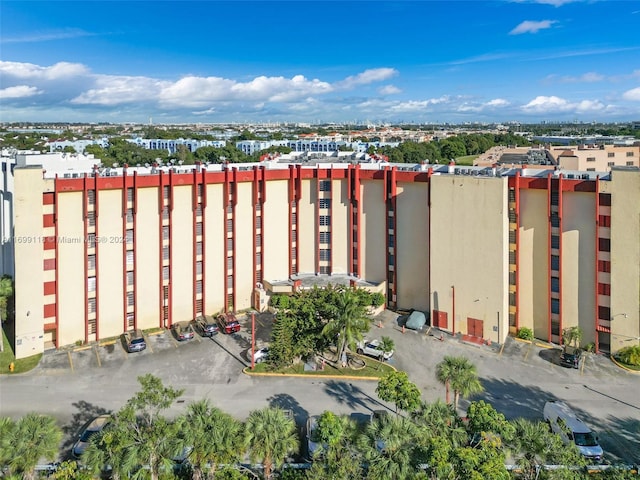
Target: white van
<point x="565" y="423"/>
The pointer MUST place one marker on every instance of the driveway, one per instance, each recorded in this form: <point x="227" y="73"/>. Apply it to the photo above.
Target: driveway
<point x="74" y="386"/>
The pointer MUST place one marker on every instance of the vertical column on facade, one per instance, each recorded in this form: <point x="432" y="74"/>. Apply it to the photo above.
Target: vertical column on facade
<point x="293" y="197"/>
<point x="50" y="287"/>
<point x="164" y="198"/>
<point x="514" y="227"/>
<point x="390" y="194"/>
<point x="199" y="243"/>
<point x="323" y="246"/>
<point x="128" y="249"/>
<point x="354" y="218"/>
<point x="603" y="271"/>
<point x="229" y="238"/>
<point x="555" y="259"/>
<point x="89" y="261"/>
<point x="258" y="201"/>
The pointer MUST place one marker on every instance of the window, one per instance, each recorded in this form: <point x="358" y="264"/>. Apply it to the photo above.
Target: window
<point x="91" y="197"/>
<point x="604" y="266"/>
<point x="604" y="313"/>
<point x="165" y="232"/>
<point x="198" y="229"/>
<point x="258" y="222"/>
<point x="604" y="289"/>
<point x="229" y="281"/>
<point x="91" y="284"/>
<point x="390" y="223"/>
<point x="294" y="218"/>
<point x="325" y="270"/>
<point x="325" y="185"/>
<point x="555" y="262"/>
<point x="165" y="273"/>
<point x="325" y="220"/>
<point x="91" y="303"/>
<point x="229" y="225"/>
<point x="555" y="241"/>
<point x="199" y="267"/>
<point x="229" y="263"/>
<point x="325" y="203"/>
<point x="512" y="257"/>
<point x="130" y="278"/>
<point x="165" y="213"/>
<point x="91" y="219"/>
<point x="199" y="210"/>
<point x="294" y="236"/>
<point x="555" y="219"/>
<point x="200" y="189"/>
<point x="130" y="257"/>
<point x="630" y="154"/>
<point x="198" y="248"/>
<point x="605" y="199"/>
<point x="555" y="305"/>
<point x="165" y="252"/>
<point x="325" y="237"/>
<point x="591" y="159"/>
<point x="230" y="243"/>
<point x="91" y="262"/>
<point x="610" y="164"/>
<point x="131" y="299"/>
<point x="392" y="241"/>
<point x="611" y="154"/>
<point x="604" y="220"/>
<point x="258" y="240"/>
<point x="91" y="240"/>
<point x="129" y="194"/>
<point x="630" y="164"/>
<point x="325" y="254"/>
<point x="591" y="169"/>
<point x="258" y="259"/>
<point x="198" y="286"/>
<point x="604" y="244"/>
<point x="166" y="191"/>
<point x="392" y="260"/>
<point x="129" y="215"/>
<point x="555" y="284"/>
<point x="129" y="236"/>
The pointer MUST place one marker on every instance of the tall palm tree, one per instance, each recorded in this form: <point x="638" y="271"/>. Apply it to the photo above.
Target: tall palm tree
<point x="6" y="432"/>
<point x="460" y="375"/>
<point x="214" y="437"/>
<point x="348" y="320"/>
<point x="106" y="450"/>
<point x="270" y="436"/>
<point x="439" y="419"/>
<point x="33" y="437"/>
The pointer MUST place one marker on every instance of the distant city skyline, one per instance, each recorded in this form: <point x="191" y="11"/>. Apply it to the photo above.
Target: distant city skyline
<point x="296" y="61"/>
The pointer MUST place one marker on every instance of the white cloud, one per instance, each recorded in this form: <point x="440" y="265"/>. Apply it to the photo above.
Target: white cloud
<point x="531" y="26"/>
<point x="48" y="36"/>
<point x="19" y="91"/>
<point x="368" y="76"/>
<point x="116" y="90"/>
<point x="494" y="104"/>
<point x="57" y="71"/>
<point x="417" y="105"/>
<point x="553" y="104"/>
<point x="389" y="90"/>
<point x="633" y="94"/>
<point x="589" y="77"/>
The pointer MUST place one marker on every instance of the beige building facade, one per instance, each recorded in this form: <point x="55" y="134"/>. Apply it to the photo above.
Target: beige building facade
<point x="596" y="158"/>
<point x="483" y="253"/>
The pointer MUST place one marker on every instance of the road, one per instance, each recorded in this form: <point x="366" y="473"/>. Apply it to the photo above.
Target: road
<point x="75" y="386"/>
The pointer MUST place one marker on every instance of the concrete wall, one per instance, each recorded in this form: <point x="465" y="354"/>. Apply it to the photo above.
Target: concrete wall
<point x="275" y="234"/>
<point x="244" y="241"/>
<point x="308" y="230"/>
<point x="340" y="227"/>
<point x="182" y="245"/>
<point x="373" y="222"/>
<point x="214" y="265"/>
<point x="147" y="233"/>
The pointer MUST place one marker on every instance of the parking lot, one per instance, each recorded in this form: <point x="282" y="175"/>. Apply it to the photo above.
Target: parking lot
<point x="518" y="379"/>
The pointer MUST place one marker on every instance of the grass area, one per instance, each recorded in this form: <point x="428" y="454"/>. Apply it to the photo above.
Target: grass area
<point x="466" y="160"/>
<point x="7" y="357"/>
<point x="635" y="368"/>
<point x="371" y="368"/>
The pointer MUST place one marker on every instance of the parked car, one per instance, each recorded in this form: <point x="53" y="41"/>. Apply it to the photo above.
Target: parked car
<point x="228" y="323"/>
<point x="96" y="425"/>
<point x="563" y="421"/>
<point x="183" y="330"/>
<point x="134" y="340"/>
<point x="259" y="355"/>
<point x="372" y="349"/>
<point x="312" y="441"/>
<point x="570" y="357"/>
<point x="206" y="325"/>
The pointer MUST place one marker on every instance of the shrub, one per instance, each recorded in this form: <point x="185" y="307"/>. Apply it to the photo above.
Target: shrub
<point x="377" y="299"/>
<point x="630" y="355"/>
<point x="525" y="333"/>
<point x="280" y="301"/>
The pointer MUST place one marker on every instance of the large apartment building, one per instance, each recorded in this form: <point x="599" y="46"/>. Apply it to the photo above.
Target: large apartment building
<point x="596" y="158"/>
<point x="483" y="251"/>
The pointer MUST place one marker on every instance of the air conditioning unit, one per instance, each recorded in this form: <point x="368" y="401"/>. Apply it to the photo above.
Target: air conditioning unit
<point x="67" y="175"/>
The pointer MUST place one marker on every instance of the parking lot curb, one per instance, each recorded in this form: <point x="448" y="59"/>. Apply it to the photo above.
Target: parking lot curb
<point x="544" y="345"/>
<point x="247" y="371"/>
<point x="522" y="340"/>
<point x="80" y="349"/>
<point x="108" y="342"/>
<point x="159" y="332"/>
<point x="623" y="367"/>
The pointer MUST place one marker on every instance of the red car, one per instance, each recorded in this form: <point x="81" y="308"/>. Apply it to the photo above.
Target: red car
<point x="228" y="323"/>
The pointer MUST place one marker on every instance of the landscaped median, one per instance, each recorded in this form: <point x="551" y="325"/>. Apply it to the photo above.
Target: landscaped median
<point x="371" y="370"/>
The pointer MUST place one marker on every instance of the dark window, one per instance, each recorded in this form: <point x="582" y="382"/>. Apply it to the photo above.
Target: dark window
<point x="604" y="220"/>
<point x="605" y="199"/>
<point x="555" y="284"/>
<point x="555" y="305"/>
<point x="555" y="219"/>
<point x="392" y="241"/>
<point x="555" y="262"/>
<point x="198" y="248"/>
<point x="604" y="313"/>
<point x="325" y="237"/>
<point x="604" y="289"/>
<point x="325" y="220"/>
<point x="555" y="241"/>
<point x="325" y="203"/>
<point x="325" y="254"/>
<point x="325" y="185"/>
<point x="604" y="244"/>
<point x="604" y="266"/>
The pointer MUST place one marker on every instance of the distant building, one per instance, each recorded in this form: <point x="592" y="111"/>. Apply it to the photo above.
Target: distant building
<point x="173" y="145"/>
<point x="596" y="158"/>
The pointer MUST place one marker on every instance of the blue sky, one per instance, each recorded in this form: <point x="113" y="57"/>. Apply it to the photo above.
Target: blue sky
<point x="305" y="61"/>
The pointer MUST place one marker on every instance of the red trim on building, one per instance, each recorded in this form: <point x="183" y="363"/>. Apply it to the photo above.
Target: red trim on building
<point x="317" y="212"/>
<point x="124" y="197"/>
<point x="560" y="242"/>
<point x="170" y="289"/>
<point x="49" y="243"/>
<point x="517" y="199"/>
<point x="96" y="250"/>
<point x="357" y="218"/>
<point x="49" y="310"/>
<point x="49" y="264"/>
<point x="549" y="234"/>
<point x="85" y="269"/>
<point x="162" y="323"/>
<point x="429" y="174"/>
<point x="291" y="196"/>
<point x="194" y="242"/>
<point x="49" y="288"/>
<point x="48" y="220"/>
<point x="55" y="213"/>
<point x="48" y="198"/>
<point x="203" y="206"/>
<point x="596" y="263"/>
<point x="135" y="249"/>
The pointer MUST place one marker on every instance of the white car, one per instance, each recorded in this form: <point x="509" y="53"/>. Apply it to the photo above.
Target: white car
<point x="96" y="425"/>
<point x="372" y="349"/>
<point x="260" y="355"/>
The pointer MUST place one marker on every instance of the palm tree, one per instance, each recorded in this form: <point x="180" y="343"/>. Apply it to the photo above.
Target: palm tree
<point x="348" y="320"/>
<point x="6" y="432"/>
<point x="33" y="437"/>
<point x="439" y="419"/>
<point x="213" y="436"/>
<point x="460" y="375"/>
<point x="388" y="445"/>
<point x="530" y="446"/>
<point x="337" y="455"/>
<point x="106" y="450"/>
<point x="386" y="345"/>
<point x="270" y="436"/>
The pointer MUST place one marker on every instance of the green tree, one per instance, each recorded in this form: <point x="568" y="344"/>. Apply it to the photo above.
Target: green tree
<point x="347" y="320"/>
<point x="107" y="450"/>
<point x="270" y="436"/>
<point x="439" y="419"/>
<point x="572" y="336"/>
<point x="32" y="438"/>
<point x="396" y="388"/>
<point x="459" y="375"/>
<point x="337" y="457"/>
<point x="153" y="398"/>
<point x="69" y="470"/>
<point x="213" y="436"/>
<point x="6" y="298"/>
<point x="386" y="345"/>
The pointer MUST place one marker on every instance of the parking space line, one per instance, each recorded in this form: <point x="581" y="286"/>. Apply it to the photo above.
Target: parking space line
<point x="149" y="345"/>
<point x="98" y="357"/>
<point x="70" y="361"/>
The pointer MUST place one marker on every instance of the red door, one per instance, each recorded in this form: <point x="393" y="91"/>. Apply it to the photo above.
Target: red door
<point x="439" y="319"/>
<point x="474" y="327"/>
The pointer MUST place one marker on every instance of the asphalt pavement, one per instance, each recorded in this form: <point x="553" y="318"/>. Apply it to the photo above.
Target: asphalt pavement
<point x="77" y="384"/>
